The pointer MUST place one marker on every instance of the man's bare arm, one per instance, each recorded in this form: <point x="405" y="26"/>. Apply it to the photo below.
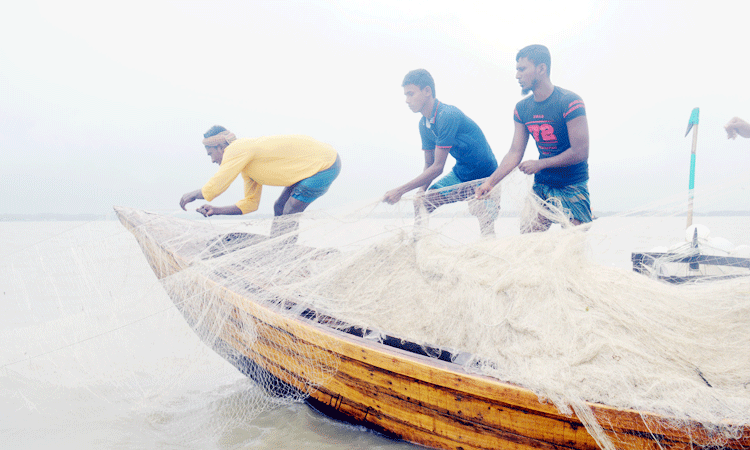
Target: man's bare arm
<point x="737" y="126"/>
<point x="578" y="133"/>
<point x="424" y="179"/>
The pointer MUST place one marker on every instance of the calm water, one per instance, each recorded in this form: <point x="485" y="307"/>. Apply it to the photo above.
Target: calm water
<point x="94" y="354"/>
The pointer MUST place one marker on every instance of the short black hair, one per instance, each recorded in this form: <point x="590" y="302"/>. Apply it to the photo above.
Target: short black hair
<point x="419" y="78"/>
<point x="538" y="54"/>
<point x="213" y="131"/>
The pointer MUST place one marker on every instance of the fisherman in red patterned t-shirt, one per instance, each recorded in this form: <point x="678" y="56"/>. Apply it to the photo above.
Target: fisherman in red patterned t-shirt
<point x="556" y="118"/>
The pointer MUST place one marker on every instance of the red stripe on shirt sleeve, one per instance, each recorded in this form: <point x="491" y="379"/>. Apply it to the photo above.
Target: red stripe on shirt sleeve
<point x="573" y="108"/>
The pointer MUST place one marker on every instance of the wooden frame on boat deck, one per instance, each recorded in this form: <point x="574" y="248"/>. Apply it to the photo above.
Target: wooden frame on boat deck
<point x="643" y="261"/>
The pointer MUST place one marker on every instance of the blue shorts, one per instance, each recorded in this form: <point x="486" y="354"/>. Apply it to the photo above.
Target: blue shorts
<point x="574" y="199"/>
<point x="449" y="180"/>
<point x="310" y="188"/>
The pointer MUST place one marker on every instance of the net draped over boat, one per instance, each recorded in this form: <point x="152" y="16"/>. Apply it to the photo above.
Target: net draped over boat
<point x="534" y="310"/>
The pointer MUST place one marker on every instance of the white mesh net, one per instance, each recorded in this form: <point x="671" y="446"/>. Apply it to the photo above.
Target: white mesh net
<point x="535" y="310"/>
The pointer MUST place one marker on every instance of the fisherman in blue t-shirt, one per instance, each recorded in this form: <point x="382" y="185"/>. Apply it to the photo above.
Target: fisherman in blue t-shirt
<point x="446" y="130"/>
<point x="556" y="119"/>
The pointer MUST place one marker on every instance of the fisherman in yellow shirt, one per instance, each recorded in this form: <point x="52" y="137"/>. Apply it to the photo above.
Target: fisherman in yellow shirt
<point x="304" y="166"/>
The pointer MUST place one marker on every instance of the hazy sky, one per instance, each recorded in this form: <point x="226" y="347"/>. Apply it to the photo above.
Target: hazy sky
<point x="105" y="103"/>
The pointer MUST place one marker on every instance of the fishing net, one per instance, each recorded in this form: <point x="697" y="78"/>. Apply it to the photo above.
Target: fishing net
<point x="537" y="310"/>
<point x="530" y="309"/>
<point x="95" y="354"/>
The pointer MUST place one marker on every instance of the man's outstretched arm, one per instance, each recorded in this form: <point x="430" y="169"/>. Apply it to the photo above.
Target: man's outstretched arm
<point x="424" y="179"/>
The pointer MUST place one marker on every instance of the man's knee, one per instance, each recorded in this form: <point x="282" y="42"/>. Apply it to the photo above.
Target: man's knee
<point x="294" y="206"/>
<point x="278" y="208"/>
<point x="431" y="201"/>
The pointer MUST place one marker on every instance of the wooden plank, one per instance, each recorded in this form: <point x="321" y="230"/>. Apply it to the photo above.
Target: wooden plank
<point x="373" y="387"/>
<point x="412" y="421"/>
<point x="626" y="423"/>
<point x="455" y="407"/>
<point x="413" y="366"/>
<point x="444" y="432"/>
<point x="421" y="422"/>
<point x="647" y="259"/>
<point x="360" y="400"/>
<point x="464" y="407"/>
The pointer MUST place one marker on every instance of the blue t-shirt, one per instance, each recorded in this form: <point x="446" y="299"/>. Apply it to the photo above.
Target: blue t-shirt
<point x="547" y="122"/>
<point x="449" y="128"/>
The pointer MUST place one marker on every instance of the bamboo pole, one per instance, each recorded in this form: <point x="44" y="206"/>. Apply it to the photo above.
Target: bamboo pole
<point x="693" y="124"/>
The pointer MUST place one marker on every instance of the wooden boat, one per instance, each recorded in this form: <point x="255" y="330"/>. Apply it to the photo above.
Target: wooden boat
<point x="392" y="386"/>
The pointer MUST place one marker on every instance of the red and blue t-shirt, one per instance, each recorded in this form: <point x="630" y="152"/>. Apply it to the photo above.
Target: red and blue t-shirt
<point x="547" y="122"/>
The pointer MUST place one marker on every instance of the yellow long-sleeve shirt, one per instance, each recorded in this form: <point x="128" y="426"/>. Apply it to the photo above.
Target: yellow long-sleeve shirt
<point x="269" y="160"/>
